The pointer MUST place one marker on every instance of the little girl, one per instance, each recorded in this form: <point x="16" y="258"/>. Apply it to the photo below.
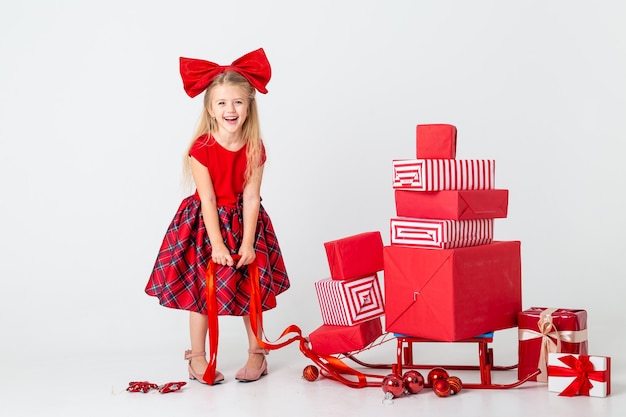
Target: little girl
<point x="224" y="217"/>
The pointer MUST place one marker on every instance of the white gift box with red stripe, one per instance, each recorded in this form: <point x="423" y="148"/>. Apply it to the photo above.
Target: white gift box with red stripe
<point x="441" y="233"/>
<point x="572" y="374"/>
<point x="444" y="174"/>
<point x="349" y="302"/>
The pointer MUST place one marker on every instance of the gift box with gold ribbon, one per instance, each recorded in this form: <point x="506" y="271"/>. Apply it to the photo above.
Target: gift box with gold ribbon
<point x="549" y="330"/>
<point x="571" y="375"/>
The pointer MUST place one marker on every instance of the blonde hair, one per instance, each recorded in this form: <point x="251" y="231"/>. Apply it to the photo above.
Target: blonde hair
<point x="251" y="127"/>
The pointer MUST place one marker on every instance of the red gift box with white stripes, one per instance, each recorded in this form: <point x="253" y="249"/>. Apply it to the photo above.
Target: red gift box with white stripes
<point x="351" y="301"/>
<point x="452" y="204"/>
<point x="440" y="233"/>
<point x="435" y="141"/>
<point x="328" y="339"/>
<point x="452" y="294"/>
<point x="444" y="174"/>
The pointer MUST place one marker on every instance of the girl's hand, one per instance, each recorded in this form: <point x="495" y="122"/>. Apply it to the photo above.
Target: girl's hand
<point x="221" y="256"/>
<point x="247" y="256"/>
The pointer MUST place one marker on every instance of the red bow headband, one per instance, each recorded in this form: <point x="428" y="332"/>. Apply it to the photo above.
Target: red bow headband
<point x="198" y="74"/>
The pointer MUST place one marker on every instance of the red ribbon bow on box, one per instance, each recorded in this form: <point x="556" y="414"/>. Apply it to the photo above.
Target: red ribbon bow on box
<point x="582" y="369"/>
<point x="197" y="74"/>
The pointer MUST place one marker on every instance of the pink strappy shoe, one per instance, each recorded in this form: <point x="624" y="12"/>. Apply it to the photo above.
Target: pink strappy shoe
<point x="219" y="377"/>
<point x="250" y="375"/>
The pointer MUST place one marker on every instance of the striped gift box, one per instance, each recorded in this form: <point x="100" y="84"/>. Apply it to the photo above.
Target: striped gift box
<point x="444" y="174"/>
<point x="349" y="302"/>
<point x="440" y="234"/>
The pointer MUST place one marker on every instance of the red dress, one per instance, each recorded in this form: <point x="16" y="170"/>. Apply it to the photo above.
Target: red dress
<point x="178" y="276"/>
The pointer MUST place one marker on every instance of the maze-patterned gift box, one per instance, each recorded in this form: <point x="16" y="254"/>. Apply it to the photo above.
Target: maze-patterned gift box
<point x="444" y="174"/>
<point x="349" y="302"/>
<point x="440" y="234"/>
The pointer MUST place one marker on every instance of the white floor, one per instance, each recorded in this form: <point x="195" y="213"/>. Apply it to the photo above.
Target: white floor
<point x="83" y="385"/>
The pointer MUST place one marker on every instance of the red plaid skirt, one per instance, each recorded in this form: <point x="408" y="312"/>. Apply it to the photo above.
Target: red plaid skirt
<point x="178" y="277"/>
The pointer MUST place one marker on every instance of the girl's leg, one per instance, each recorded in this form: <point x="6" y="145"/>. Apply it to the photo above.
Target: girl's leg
<point x="255" y="360"/>
<point x="198" y="332"/>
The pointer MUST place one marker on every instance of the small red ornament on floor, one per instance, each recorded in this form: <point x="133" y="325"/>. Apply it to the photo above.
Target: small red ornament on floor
<point x="455" y="384"/>
<point x="171" y="387"/>
<point x="310" y="373"/>
<point x="413" y="382"/>
<point x="141" y="386"/>
<point x="393" y="386"/>
<point x="436" y="373"/>
<point x="441" y="387"/>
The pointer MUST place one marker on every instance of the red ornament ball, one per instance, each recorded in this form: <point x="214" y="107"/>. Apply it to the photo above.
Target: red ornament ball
<point x="393" y="385"/>
<point x="455" y="384"/>
<point x="413" y="381"/>
<point x="436" y="373"/>
<point x="310" y="373"/>
<point x="441" y="387"/>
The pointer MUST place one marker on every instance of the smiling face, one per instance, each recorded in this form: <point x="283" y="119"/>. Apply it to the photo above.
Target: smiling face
<point x="229" y="106"/>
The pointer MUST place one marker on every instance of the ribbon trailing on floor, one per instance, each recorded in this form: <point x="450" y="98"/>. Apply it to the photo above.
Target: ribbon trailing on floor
<point x="332" y="367"/>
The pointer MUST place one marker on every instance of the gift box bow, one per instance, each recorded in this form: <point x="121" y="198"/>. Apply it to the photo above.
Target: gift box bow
<point x="584" y="372"/>
<point x="551" y="339"/>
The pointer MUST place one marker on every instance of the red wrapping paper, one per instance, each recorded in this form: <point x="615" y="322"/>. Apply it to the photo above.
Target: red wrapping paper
<point x="542" y="331"/>
<point x="435" y="141"/>
<point x="355" y="256"/>
<point x="452" y="204"/>
<point x="452" y="294"/>
<point x="571" y="375"/>
<point x="330" y="340"/>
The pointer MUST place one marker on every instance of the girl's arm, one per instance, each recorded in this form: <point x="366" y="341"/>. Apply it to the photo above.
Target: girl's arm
<point x="251" y="204"/>
<point x="208" y="204"/>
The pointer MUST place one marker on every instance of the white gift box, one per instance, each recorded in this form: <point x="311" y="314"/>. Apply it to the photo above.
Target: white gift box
<point x="571" y="374"/>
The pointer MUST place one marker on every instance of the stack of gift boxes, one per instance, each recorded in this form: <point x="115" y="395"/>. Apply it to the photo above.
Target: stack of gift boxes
<point x="350" y="300"/>
<point x="445" y="278"/>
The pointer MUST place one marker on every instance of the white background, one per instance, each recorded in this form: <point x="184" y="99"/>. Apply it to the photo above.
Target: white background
<point x="94" y="123"/>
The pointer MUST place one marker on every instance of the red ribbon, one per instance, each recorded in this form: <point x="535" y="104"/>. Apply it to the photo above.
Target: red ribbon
<point x="333" y="367"/>
<point x="583" y="371"/>
<point x="197" y="74"/>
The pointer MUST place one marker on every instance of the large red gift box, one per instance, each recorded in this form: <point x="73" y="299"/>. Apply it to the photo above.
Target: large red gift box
<point x="444" y="174"/>
<point x="452" y="204"/>
<point x="440" y="234"/>
<point x="452" y="294"/>
<point x="329" y="340"/>
<point x="350" y="301"/>
<point x="355" y="256"/>
<point x="435" y="141"/>
<point x="572" y="374"/>
<point x="544" y="330"/>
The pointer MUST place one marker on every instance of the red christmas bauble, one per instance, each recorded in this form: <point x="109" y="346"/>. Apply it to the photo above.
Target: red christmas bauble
<point x="455" y="384"/>
<point x="441" y="387"/>
<point x="310" y="372"/>
<point x="393" y="385"/>
<point x="413" y="381"/>
<point x="436" y="373"/>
